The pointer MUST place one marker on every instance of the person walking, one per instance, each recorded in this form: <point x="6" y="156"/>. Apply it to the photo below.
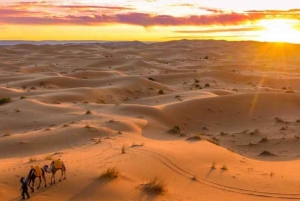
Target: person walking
<point x="24" y="188"/>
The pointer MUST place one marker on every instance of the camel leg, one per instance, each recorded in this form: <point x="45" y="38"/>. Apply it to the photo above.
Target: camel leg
<point x="65" y="174"/>
<point x="39" y="183"/>
<point x="32" y="190"/>
<point x="29" y="182"/>
<point x="44" y="177"/>
<point x="53" y="175"/>
<point x="61" y="174"/>
<point x="64" y="168"/>
<point x="51" y="179"/>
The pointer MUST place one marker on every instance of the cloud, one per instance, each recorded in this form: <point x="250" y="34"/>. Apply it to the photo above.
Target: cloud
<point x="141" y="19"/>
<point x="46" y="13"/>
<point x="243" y="29"/>
<point x="183" y="5"/>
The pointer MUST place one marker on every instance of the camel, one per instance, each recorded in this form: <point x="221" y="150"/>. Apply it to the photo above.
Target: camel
<point x="54" y="167"/>
<point x="36" y="172"/>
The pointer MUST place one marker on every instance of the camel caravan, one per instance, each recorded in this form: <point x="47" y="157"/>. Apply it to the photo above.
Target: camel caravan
<point x="39" y="172"/>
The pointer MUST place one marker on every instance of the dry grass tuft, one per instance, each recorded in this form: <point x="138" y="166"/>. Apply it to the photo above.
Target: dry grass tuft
<point x="123" y="149"/>
<point x="137" y="145"/>
<point x="155" y="186"/>
<point x="111" y="173"/>
<point x="88" y="112"/>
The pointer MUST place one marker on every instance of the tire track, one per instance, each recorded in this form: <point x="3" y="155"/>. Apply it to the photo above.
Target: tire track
<point x="170" y="164"/>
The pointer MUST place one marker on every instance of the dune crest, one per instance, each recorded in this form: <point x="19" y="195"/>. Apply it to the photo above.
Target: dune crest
<point x="177" y="120"/>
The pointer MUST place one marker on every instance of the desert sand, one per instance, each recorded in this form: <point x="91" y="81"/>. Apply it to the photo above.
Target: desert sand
<point x="211" y="120"/>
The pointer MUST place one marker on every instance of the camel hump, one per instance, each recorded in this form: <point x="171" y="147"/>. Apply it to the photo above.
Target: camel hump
<point x="58" y="164"/>
<point x="38" y="171"/>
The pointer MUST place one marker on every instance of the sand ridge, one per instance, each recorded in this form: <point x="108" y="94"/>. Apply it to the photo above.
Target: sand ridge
<point x="211" y="119"/>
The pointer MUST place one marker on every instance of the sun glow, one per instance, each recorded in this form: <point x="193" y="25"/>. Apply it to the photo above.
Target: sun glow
<point x="279" y="30"/>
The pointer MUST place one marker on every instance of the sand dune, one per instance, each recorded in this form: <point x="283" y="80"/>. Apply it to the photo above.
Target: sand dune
<point x="212" y="120"/>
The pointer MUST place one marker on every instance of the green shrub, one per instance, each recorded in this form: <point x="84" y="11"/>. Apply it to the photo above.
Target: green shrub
<point x="5" y="100"/>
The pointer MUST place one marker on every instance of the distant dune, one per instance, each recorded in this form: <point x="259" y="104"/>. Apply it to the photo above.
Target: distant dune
<point x="178" y="120"/>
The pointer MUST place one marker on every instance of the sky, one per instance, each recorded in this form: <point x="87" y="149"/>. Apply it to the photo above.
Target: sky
<point x="150" y="20"/>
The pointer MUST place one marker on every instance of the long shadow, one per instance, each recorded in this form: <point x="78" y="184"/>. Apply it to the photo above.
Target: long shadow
<point x="90" y="189"/>
<point x="36" y="192"/>
<point x="209" y="173"/>
<point x="145" y="196"/>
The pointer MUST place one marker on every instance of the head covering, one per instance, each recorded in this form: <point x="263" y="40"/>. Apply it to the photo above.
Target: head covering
<point x="23" y="179"/>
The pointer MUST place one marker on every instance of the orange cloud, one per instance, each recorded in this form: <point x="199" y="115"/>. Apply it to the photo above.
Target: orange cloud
<point x="45" y="13"/>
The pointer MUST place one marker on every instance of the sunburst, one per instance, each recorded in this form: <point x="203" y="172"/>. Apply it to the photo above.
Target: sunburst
<point x="279" y="30"/>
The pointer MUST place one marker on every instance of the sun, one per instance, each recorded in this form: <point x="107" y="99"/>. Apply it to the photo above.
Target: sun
<point x="279" y="30"/>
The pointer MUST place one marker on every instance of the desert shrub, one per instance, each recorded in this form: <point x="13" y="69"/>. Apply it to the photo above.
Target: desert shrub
<point x="110" y="173"/>
<point x="213" y="142"/>
<point x="88" y="112"/>
<point x="88" y="126"/>
<point x="279" y="120"/>
<point x="264" y="139"/>
<point x="206" y="57"/>
<point x="155" y="186"/>
<point x="224" y="167"/>
<point x="175" y="130"/>
<point x="215" y="139"/>
<point x="213" y="166"/>
<point x="207" y="85"/>
<point x="50" y="157"/>
<point x="194" y="138"/>
<point x="5" y="100"/>
<point x="150" y="78"/>
<point x="22" y="97"/>
<point x="266" y="153"/>
<point x="32" y="159"/>
<point x="223" y="134"/>
<point x="161" y="92"/>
